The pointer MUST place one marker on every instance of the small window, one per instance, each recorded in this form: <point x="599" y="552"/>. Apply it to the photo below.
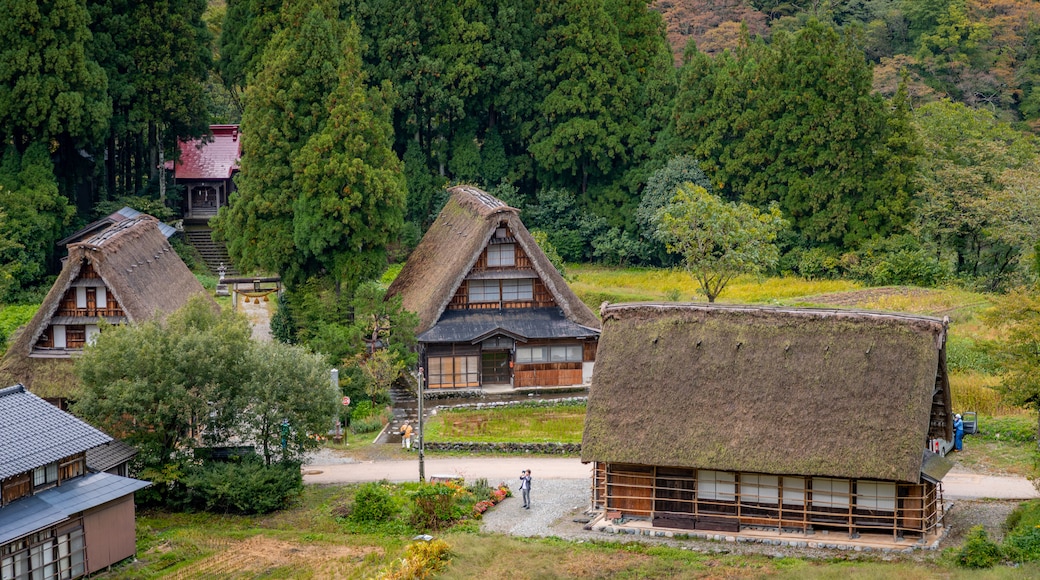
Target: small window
<point x="755" y="488"/>
<point x="499" y="255"/>
<point x="517" y="290"/>
<point x="483" y="291"/>
<point x="830" y="493"/>
<point x="794" y="491"/>
<point x="716" y="485"/>
<point x="531" y="354"/>
<point x="45" y="475"/>
<point x="876" y="495"/>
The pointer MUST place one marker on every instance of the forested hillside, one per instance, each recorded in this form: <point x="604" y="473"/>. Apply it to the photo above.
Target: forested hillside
<point x="896" y="137"/>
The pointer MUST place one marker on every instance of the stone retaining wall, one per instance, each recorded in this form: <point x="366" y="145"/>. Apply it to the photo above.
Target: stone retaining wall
<point x="540" y="448"/>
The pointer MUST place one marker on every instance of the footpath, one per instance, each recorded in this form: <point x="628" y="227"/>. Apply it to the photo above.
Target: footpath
<point x="956" y="484"/>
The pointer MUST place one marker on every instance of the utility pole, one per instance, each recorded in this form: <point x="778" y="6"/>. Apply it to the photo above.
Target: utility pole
<point x="422" y="467"/>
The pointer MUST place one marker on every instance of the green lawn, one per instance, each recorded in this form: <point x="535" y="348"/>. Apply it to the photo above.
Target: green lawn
<point x="554" y="424"/>
<point x="311" y="540"/>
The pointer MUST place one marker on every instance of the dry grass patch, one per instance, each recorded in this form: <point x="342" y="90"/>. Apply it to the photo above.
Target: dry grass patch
<point x="267" y="556"/>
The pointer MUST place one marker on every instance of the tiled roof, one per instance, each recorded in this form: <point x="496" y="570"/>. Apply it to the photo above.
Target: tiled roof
<point x="108" y="456"/>
<point x="210" y="159"/>
<point x="33" y="432"/>
<point x="96" y="226"/>
<point x="523" y="324"/>
<point x="27" y="515"/>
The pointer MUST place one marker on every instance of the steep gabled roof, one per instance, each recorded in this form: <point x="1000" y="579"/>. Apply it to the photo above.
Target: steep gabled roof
<point x="33" y="432"/>
<point x="141" y="271"/>
<point x="206" y="158"/>
<point x="768" y="390"/>
<point x="451" y="248"/>
<point x="94" y="227"/>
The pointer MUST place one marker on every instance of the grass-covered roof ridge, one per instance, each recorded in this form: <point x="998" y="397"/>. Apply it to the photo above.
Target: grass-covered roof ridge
<point x="822" y="392"/>
<point x="452" y="246"/>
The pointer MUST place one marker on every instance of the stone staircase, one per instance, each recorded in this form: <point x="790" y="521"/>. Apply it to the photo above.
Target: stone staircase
<point x="213" y="253"/>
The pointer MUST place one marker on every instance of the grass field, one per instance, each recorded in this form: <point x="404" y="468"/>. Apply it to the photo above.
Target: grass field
<point x="555" y="424"/>
<point x="309" y="541"/>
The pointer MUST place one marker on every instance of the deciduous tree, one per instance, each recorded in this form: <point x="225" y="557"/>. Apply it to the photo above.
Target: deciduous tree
<point x="718" y="240"/>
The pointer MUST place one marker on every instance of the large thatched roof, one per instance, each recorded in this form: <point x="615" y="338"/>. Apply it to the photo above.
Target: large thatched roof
<point x="768" y="390"/>
<point x="453" y="245"/>
<point x="141" y="271"/>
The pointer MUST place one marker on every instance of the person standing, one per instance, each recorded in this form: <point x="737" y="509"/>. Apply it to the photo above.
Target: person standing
<point x="406" y="436"/>
<point x="525" y="488"/>
<point x="958" y="432"/>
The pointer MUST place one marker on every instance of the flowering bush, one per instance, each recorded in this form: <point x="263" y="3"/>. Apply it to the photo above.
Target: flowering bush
<point x="497" y="495"/>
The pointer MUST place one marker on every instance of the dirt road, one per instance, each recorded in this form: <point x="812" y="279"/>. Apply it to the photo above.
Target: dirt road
<point x="956" y="484"/>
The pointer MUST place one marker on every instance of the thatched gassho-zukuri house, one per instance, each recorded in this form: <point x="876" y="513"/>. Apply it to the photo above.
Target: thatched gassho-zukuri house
<point x="723" y="417"/>
<point x="125" y="273"/>
<point x="492" y="308"/>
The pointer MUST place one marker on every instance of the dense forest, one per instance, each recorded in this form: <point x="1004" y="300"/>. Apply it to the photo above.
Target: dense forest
<point x="897" y="137"/>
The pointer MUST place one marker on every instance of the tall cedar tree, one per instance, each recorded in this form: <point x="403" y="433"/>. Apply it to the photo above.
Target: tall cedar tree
<point x="583" y="121"/>
<point x="248" y="27"/>
<point x="796" y="122"/>
<point x="157" y="55"/>
<point x="284" y="107"/>
<point x="350" y="183"/>
<point x="36" y="216"/>
<point x="51" y="88"/>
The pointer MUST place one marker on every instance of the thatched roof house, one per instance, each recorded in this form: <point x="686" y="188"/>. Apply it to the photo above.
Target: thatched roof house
<point x="836" y="396"/>
<point x="125" y="273"/>
<point x="479" y="278"/>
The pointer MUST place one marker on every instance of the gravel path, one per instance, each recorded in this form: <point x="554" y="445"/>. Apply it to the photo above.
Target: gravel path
<point x="552" y="500"/>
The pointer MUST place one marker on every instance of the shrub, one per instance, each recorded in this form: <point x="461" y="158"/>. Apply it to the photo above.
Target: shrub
<point x="434" y="507"/>
<point x="899" y="260"/>
<point x="1025" y="546"/>
<point x="244" y="487"/>
<point x="819" y="263"/>
<point x="964" y="354"/>
<point x="1018" y="428"/>
<point x="365" y="418"/>
<point x="978" y="551"/>
<point x="373" y="503"/>
<point x="12" y="317"/>
<point x="422" y="559"/>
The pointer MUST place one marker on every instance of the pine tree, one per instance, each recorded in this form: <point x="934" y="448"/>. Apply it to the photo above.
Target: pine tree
<point x="50" y="85"/>
<point x="350" y="183"/>
<point x="36" y="216"/>
<point x="284" y="108"/>
<point x="583" y="123"/>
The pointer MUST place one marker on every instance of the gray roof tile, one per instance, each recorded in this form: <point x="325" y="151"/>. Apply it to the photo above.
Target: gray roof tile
<point x="522" y="323"/>
<point x="33" y="432"/>
<point x="27" y="515"/>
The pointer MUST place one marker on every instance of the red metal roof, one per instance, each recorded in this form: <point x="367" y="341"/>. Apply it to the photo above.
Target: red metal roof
<point x="205" y="159"/>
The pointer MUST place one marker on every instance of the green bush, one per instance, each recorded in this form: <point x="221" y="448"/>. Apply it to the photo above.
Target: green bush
<point x="12" y="317"/>
<point x="244" y="487"/>
<point x="819" y="263"/>
<point x="964" y="354"/>
<point x="898" y="260"/>
<point x="1019" y="428"/>
<point x="1022" y="543"/>
<point x="434" y="507"/>
<point x="1023" y="547"/>
<point x="373" y="503"/>
<point x="978" y="551"/>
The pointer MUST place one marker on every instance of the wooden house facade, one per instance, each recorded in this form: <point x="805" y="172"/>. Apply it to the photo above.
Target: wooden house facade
<point x="727" y="417"/>
<point x="58" y="518"/>
<point x="206" y="168"/>
<point x="493" y="310"/>
<point x="127" y="272"/>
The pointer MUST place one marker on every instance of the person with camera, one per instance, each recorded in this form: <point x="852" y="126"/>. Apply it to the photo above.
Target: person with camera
<point x="525" y="488"/>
